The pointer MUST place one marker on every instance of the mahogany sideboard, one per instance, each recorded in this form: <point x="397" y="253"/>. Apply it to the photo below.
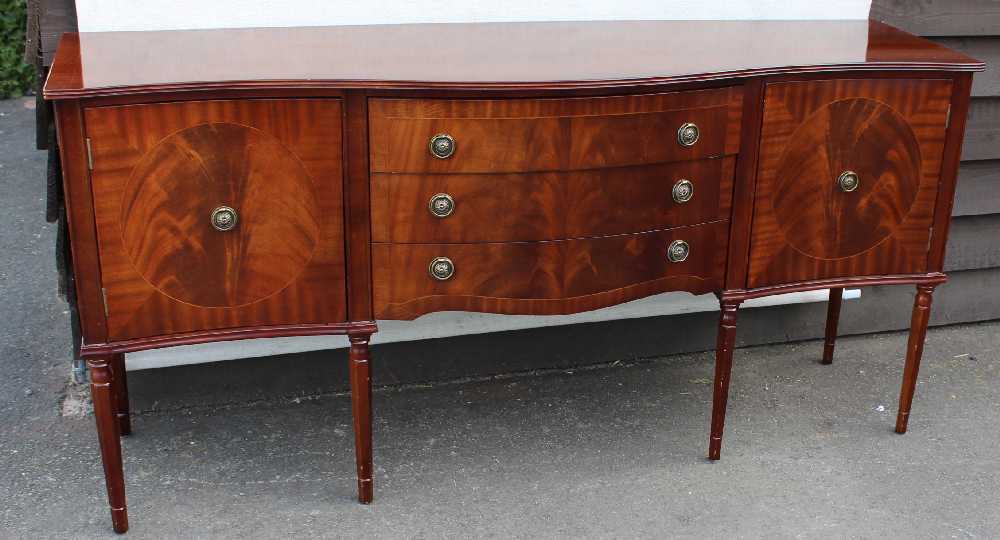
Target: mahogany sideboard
<point x="230" y="184"/>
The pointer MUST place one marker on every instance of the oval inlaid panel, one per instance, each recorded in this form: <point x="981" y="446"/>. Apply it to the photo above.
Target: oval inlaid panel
<point x="167" y="207"/>
<point x="868" y="137"/>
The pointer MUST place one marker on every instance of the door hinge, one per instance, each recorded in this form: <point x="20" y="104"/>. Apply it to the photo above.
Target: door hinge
<point x="90" y="155"/>
<point x="104" y="296"/>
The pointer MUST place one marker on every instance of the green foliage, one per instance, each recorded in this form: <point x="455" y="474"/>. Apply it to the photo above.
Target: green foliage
<point x="16" y="77"/>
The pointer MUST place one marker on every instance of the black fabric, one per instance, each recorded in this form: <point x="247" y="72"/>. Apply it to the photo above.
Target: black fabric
<point x="63" y="255"/>
<point x="53" y="177"/>
<point x="67" y="283"/>
<point x="43" y="112"/>
<point x="55" y="211"/>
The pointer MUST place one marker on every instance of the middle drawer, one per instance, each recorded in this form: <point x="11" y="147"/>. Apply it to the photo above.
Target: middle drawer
<point x="549" y="205"/>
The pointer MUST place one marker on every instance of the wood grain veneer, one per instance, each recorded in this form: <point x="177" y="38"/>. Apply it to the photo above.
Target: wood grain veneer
<point x="523" y="135"/>
<point x="159" y="172"/>
<point x="79" y="200"/>
<point x="546" y="278"/>
<point x="550" y="205"/>
<point x="892" y="133"/>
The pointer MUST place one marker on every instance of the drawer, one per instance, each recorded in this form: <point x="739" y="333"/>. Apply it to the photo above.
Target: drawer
<point x="218" y="214"/>
<point x="544" y="278"/>
<point x="848" y="178"/>
<point x="549" y="205"/>
<point x="527" y="135"/>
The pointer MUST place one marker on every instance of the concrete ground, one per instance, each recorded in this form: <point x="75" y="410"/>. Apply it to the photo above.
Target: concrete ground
<point x="611" y="451"/>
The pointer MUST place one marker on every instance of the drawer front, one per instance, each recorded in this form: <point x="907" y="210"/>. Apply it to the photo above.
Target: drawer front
<point x="529" y="135"/>
<point x="559" y="277"/>
<point x="848" y="178"/>
<point x="218" y="214"/>
<point x="551" y="205"/>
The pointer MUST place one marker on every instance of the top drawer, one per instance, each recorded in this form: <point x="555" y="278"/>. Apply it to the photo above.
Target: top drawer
<point x="526" y="135"/>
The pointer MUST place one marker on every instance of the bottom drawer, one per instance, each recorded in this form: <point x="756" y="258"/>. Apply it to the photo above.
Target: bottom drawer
<point x="545" y="278"/>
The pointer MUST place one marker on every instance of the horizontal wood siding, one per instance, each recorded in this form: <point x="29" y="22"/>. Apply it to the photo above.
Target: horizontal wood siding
<point x="978" y="188"/>
<point x="974" y="244"/>
<point x="982" y="133"/>
<point x="56" y="17"/>
<point x="987" y="49"/>
<point x="936" y="18"/>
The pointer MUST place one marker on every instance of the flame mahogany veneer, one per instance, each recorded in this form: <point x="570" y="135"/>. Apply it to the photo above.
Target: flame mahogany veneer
<point x="231" y="184"/>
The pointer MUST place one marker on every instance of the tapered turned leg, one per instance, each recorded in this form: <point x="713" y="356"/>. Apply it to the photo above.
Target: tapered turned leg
<point x="723" y="369"/>
<point x="120" y="382"/>
<point x="361" y="404"/>
<point x="103" y="395"/>
<point x="914" y="350"/>
<point x="832" y="318"/>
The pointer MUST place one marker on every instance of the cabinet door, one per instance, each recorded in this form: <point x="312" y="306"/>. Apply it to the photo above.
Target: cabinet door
<point x="848" y="178"/>
<point x="218" y="214"/>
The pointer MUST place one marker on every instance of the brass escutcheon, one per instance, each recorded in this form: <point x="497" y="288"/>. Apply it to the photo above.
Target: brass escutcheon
<point x="683" y="191"/>
<point x="224" y="218"/>
<point x="441" y="205"/>
<point x="848" y="181"/>
<point x="678" y="251"/>
<point x="687" y="134"/>
<point x="442" y="146"/>
<point x="441" y="268"/>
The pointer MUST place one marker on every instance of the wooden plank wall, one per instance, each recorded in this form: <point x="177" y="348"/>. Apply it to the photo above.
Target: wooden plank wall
<point x="973" y="27"/>
<point x="49" y="18"/>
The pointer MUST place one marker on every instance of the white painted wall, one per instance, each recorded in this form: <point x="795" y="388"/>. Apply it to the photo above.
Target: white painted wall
<point x="113" y="15"/>
<point x="132" y="15"/>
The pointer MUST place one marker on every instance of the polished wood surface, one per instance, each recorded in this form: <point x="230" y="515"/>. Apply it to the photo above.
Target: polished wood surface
<point x="119" y="382"/>
<point x="79" y="201"/>
<point x="744" y="184"/>
<point x="891" y="132"/>
<point x="523" y="135"/>
<point x="546" y="278"/>
<point x="226" y="334"/>
<point x="159" y="172"/>
<point x="358" y="208"/>
<point x="483" y="55"/>
<point x="182" y="178"/>
<point x="935" y="278"/>
<point x="361" y="398"/>
<point x="102" y="392"/>
<point x="914" y="352"/>
<point x="554" y="205"/>
<point x="960" y="98"/>
<point x="725" y="342"/>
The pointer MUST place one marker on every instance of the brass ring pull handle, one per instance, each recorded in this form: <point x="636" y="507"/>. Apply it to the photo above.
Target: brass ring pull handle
<point x="441" y="268"/>
<point x="687" y="134"/>
<point x="678" y="251"/>
<point x="442" y="146"/>
<point x="441" y="205"/>
<point x="848" y="181"/>
<point x="683" y="191"/>
<point x="224" y="218"/>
